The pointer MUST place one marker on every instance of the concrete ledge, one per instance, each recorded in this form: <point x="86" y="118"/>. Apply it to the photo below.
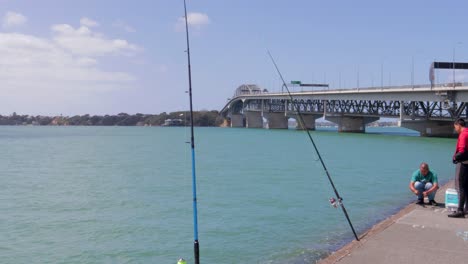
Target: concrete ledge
<point x="379" y="227"/>
<point x="416" y="234"/>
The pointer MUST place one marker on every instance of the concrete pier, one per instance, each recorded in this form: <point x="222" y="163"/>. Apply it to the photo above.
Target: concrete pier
<point x="351" y="124"/>
<point x="237" y="120"/>
<point x="276" y="120"/>
<point x="253" y="119"/>
<point x="309" y="121"/>
<point x="430" y="128"/>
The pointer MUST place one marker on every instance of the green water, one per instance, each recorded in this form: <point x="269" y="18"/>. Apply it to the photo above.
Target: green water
<point x="124" y="194"/>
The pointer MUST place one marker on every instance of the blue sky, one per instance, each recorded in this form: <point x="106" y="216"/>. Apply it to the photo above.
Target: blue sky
<point x="106" y="57"/>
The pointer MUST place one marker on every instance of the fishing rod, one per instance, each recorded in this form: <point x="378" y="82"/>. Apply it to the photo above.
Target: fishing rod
<point x="192" y="143"/>
<point x="302" y="124"/>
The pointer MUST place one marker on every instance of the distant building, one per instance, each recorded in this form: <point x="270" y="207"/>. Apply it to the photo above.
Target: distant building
<point x="173" y="122"/>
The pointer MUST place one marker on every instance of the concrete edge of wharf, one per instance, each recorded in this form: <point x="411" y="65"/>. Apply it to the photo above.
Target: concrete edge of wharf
<point x="416" y="234"/>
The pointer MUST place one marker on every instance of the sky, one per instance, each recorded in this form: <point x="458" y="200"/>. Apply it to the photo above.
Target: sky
<point x="106" y="57"/>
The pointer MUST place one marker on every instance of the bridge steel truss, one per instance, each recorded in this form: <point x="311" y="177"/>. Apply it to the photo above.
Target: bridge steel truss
<point x="422" y="110"/>
<point x="429" y="110"/>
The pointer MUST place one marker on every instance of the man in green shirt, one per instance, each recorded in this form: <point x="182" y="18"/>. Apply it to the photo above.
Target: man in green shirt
<point x="424" y="184"/>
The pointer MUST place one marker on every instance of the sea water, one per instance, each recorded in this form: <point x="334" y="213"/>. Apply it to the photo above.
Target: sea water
<point x="124" y="194"/>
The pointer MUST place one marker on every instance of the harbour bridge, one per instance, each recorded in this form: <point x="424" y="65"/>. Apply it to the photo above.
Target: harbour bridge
<point x="428" y="109"/>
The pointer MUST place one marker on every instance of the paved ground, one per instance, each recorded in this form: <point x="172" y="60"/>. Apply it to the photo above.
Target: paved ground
<point x="417" y="234"/>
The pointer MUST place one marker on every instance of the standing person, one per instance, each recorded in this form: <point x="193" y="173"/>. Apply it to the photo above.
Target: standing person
<point x="424" y="184"/>
<point x="461" y="175"/>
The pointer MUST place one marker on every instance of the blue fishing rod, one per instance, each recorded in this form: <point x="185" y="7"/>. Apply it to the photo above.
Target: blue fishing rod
<point x="196" y="247"/>
<point x="302" y="124"/>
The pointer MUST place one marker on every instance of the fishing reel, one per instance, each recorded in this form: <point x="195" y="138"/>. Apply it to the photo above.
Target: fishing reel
<point x="335" y="203"/>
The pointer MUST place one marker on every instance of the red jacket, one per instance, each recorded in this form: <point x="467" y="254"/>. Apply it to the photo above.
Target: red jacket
<point x="462" y="143"/>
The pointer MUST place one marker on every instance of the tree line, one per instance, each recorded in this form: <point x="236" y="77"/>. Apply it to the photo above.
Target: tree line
<point x="200" y="118"/>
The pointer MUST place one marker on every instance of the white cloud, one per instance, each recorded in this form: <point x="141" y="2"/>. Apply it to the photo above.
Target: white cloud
<point x="88" y="22"/>
<point x="196" y="20"/>
<point x="124" y="26"/>
<point x="12" y="19"/>
<point x="86" y="62"/>
<point x="83" y="41"/>
<point x="61" y="72"/>
<point x="34" y="66"/>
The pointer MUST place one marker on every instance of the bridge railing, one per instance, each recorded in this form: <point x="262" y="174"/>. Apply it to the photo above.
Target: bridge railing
<point x="416" y="86"/>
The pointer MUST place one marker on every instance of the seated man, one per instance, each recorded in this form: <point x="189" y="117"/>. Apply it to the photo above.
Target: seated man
<point x="424" y="184"/>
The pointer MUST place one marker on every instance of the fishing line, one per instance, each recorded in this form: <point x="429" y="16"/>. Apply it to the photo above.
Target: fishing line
<point x="303" y="127"/>
<point x="196" y="246"/>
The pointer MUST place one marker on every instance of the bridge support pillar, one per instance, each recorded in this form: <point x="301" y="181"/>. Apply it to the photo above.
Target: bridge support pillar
<point x="253" y="119"/>
<point x="430" y="128"/>
<point x="351" y="124"/>
<point x="237" y="120"/>
<point x="309" y="121"/>
<point x="276" y="120"/>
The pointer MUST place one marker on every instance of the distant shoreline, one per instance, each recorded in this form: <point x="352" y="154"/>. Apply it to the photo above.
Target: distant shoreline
<point x="200" y="118"/>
